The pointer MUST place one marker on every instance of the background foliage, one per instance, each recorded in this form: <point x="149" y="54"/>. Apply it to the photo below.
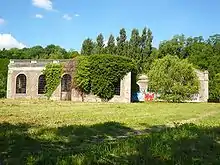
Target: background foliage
<point x="99" y="73"/>
<point x="3" y="76"/>
<point x="53" y="73"/>
<point x="174" y="79"/>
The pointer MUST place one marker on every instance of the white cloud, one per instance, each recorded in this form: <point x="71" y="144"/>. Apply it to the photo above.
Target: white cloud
<point x="2" y="21"/>
<point x="77" y="15"/>
<point x="106" y="43"/>
<point x="45" y="4"/>
<point x="39" y="16"/>
<point x="7" y="41"/>
<point x="67" y="17"/>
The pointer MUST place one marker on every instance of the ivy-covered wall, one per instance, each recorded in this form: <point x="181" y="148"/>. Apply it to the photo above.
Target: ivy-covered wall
<point x="97" y="74"/>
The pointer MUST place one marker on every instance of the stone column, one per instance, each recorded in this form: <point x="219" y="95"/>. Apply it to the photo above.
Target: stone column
<point x="206" y="86"/>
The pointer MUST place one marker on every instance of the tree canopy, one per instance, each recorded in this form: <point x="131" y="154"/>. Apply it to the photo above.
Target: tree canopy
<point x="173" y="79"/>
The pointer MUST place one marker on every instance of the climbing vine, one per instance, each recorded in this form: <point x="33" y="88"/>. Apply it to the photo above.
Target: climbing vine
<point x="53" y="74"/>
<point x="97" y="74"/>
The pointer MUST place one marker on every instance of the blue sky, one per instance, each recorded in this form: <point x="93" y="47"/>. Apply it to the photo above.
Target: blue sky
<point x="68" y="22"/>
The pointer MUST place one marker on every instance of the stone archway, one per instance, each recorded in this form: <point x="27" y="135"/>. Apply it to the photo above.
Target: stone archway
<point x="66" y="84"/>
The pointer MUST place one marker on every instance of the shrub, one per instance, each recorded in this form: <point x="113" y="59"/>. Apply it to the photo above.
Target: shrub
<point x="173" y="78"/>
<point x="3" y="76"/>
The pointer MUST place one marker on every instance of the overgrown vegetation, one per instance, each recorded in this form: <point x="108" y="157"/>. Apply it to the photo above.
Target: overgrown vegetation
<point x="47" y="132"/>
<point x="99" y="73"/>
<point x="53" y="73"/>
<point x="174" y="79"/>
<point x="3" y="77"/>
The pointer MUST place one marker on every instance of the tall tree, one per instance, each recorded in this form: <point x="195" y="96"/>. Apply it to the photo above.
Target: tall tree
<point x="87" y="47"/>
<point x="121" y="43"/>
<point x="134" y="50"/>
<point x="99" y="49"/>
<point x="146" y="49"/>
<point x="111" y="48"/>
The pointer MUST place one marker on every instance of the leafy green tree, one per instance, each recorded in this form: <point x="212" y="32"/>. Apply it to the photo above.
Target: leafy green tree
<point x="200" y="54"/>
<point x="174" y="47"/>
<point x="215" y="88"/>
<point x="149" y="60"/>
<point x="134" y="51"/>
<point x="146" y="49"/>
<point x="111" y="48"/>
<point x="3" y="76"/>
<point x="72" y="53"/>
<point x="54" y="52"/>
<point x="87" y="47"/>
<point x="122" y="45"/>
<point x="99" y="49"/>
<point x="174" y="79"/>
<point x="2" y="85"/>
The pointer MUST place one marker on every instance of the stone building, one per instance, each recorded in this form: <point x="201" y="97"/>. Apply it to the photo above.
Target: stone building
<point x="25" y="80"/>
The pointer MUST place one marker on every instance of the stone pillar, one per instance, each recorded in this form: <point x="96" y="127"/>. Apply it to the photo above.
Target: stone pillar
<point x="143" y="83"/>
<point x="127" y="87"/>
<point x="206" y="86"/>
<point x="9" y="85"/>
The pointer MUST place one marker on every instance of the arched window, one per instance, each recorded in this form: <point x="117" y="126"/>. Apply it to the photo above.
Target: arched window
<point x="21" y="84"/>
<point x="41" y="84"/>
<point x="66" y="83"/>
<point x="118" y="88"/>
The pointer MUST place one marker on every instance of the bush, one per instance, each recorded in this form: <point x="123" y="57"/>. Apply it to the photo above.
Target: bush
<point x="3" y="77"/>
<point x="174" y="79"/>
<point x="215" y="88"/>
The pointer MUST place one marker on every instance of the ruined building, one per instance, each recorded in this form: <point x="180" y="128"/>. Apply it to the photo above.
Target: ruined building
<point x="25" y="80"/>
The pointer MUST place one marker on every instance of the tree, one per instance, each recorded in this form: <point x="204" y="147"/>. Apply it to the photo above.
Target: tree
<point x="121" y="43"/>
<point x="99" y="44"/>
<point x="149" y="60"/>
<point x="174" y="47"/>
<point x="200" y="54"/>
<point x="146" y="49"/>
<point x="134" y="50"/>
<point x="215" y="88"/>
<point x="174" y="79"/>
<point x="72" y="53"/>
<point x="111" y="48"/>
<point x="87" y="47"/>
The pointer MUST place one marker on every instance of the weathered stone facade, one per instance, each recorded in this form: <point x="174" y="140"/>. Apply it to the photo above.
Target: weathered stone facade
<point x="32" y="70"/>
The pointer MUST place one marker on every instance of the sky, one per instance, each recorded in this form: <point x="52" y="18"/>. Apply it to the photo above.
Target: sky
<point x="26" y="23"/>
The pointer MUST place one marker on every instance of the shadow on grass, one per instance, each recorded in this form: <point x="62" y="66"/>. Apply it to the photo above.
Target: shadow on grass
<point x="102" y="144"/>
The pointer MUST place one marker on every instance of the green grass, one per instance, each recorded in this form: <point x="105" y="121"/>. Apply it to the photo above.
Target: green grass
<point x="47" y="132"/>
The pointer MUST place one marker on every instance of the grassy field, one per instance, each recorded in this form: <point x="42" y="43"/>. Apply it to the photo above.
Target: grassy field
<point x="47" y="132"/>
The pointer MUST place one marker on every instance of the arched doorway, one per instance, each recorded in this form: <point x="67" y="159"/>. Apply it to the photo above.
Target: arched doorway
<point x="66" y="89"/>
<point x="41" y="84"/>
<point x="21" y="84"/>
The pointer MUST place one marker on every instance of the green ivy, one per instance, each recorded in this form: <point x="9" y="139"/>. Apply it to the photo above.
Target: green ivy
<point x="97" y="74"/>
<point x="53" y="73"/>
